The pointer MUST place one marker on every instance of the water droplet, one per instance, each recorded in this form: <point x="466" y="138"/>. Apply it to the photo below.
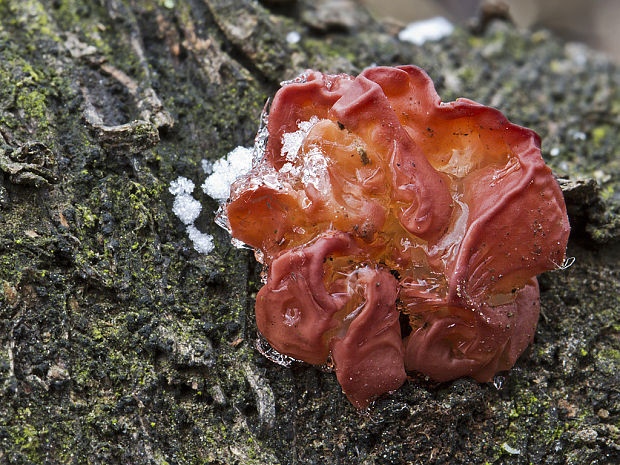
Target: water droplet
<point x="292" y="316"/>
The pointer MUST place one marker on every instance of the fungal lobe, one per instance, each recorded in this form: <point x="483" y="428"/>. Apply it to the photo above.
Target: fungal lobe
<point x="399" y="233"/>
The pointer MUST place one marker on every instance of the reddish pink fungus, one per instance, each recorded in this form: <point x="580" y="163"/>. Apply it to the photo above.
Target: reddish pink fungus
<point x="368" y="178"/>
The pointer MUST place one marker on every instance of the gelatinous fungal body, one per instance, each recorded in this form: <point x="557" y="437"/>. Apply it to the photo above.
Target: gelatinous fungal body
<point x="399" y="234"/>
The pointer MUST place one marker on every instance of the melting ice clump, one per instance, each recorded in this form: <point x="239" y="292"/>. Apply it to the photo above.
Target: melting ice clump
<point x="223" y="172"/>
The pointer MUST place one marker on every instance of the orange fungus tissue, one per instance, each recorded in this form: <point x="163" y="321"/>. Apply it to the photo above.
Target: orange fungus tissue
<point x="399" y="233"/>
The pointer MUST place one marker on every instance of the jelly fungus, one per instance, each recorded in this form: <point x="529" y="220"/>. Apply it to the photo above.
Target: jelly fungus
<point x="399" y="233"/>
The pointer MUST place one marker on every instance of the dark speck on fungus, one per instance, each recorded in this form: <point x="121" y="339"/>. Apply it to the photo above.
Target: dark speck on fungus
<point x="391" y="251"/>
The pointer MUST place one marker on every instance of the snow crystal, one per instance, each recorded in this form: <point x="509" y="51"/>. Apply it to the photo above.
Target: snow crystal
<point x="293" y="37"/>
<point x="181" y="185"/>
<point x="203" y="243"/>
<point x="430" y="29"/>
<point x="207" y="166"/>
<point x="186" y="207"/>
<point x="291" y="142"/>
<point x="290" y="169"/>
<point x="305" y="126"/>
<point x="226" y="171"/>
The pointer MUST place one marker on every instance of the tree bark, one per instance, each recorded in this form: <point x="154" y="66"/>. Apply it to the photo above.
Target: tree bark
<point x="119" y="343"/>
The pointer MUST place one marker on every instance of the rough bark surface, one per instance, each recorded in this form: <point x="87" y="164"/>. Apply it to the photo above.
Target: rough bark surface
<point x="121" y="344"/>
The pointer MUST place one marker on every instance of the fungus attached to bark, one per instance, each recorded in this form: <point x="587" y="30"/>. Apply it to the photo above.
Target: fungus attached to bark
<point x="399" y="233"/>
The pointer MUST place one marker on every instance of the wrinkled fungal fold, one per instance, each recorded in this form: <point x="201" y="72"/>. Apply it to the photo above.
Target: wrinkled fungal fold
<point x="399" y="233"/>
